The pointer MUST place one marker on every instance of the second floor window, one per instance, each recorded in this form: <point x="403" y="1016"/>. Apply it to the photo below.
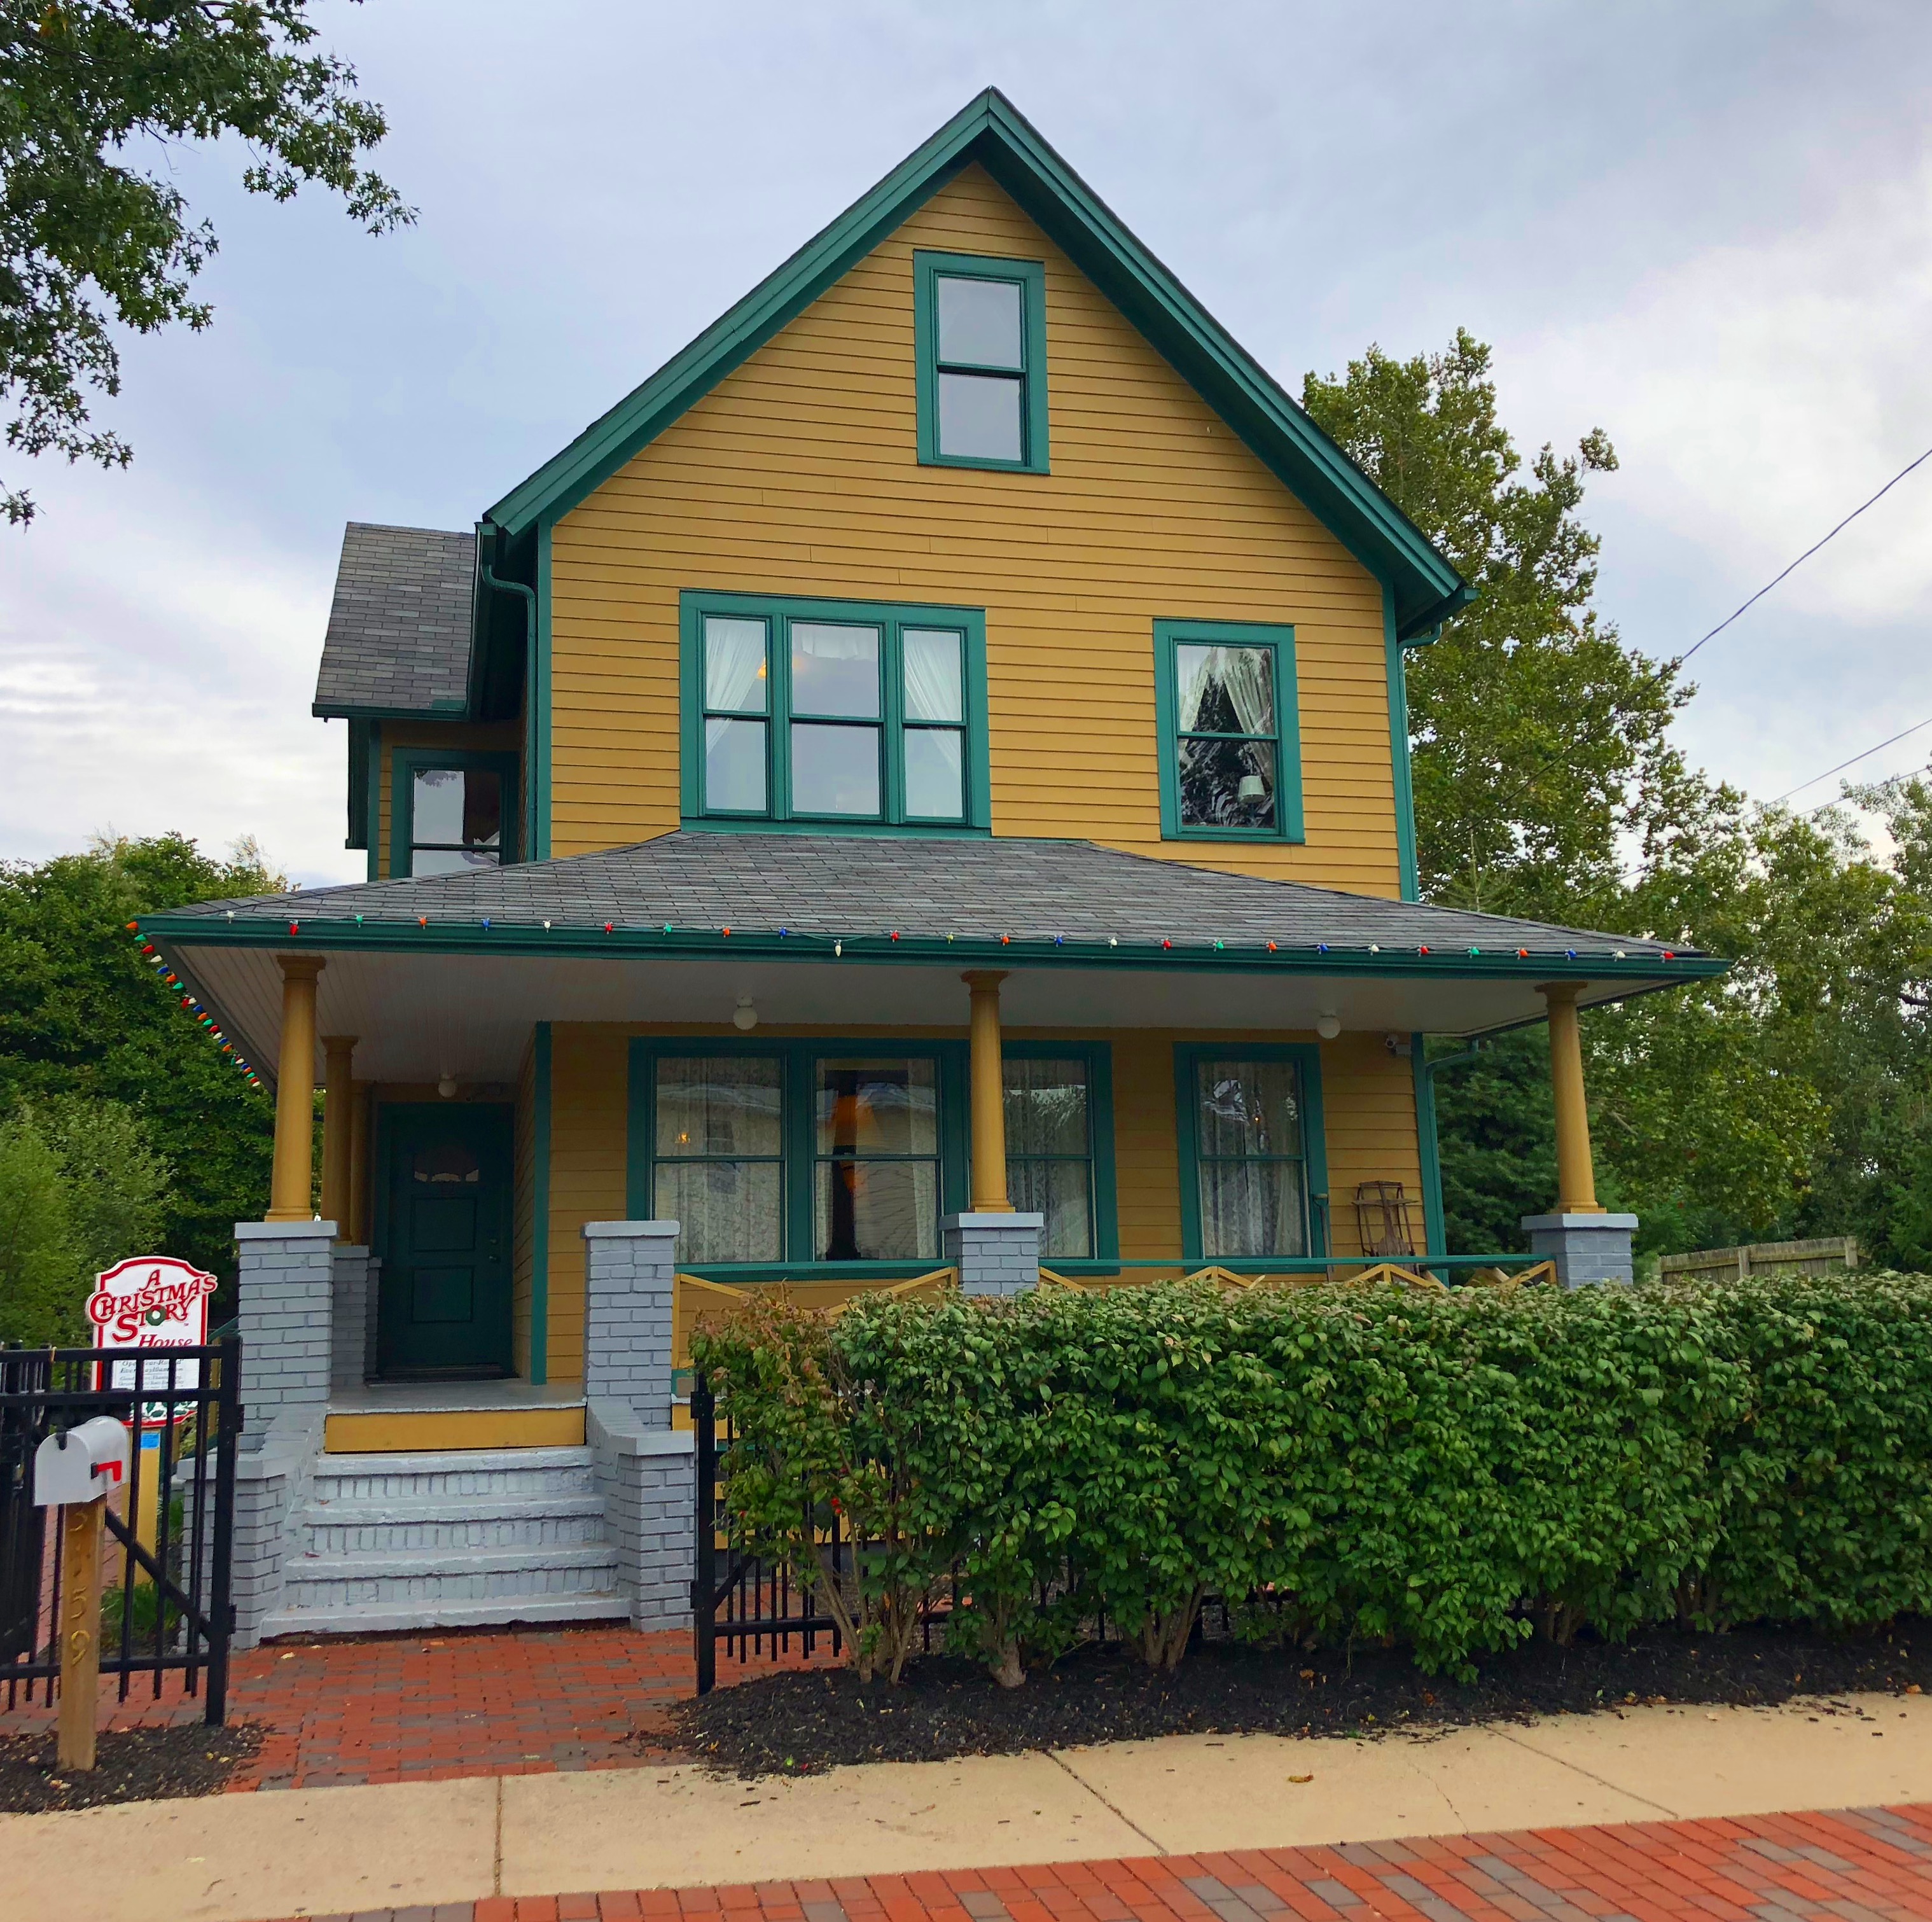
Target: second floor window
<point x="834" y="713"/>
<point x="1230" y="743"/>
<point x="452" y="813"/>
<point x="980" y="334"/>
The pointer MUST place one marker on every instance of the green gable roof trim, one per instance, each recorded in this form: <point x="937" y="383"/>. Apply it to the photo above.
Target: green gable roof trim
<point x="991" y="131"/>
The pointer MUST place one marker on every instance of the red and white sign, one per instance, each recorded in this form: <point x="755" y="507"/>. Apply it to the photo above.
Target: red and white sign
<point x="154" y="1301"/>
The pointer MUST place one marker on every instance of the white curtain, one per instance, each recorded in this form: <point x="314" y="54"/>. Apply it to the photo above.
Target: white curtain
<point x="1244" y="674"/>
<point x="932" y="690"/>
<point x="734" y="666"/>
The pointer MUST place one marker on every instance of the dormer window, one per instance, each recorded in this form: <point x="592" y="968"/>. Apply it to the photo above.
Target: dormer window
<point x="980" y="335"/>
<point x="451" y="810"/>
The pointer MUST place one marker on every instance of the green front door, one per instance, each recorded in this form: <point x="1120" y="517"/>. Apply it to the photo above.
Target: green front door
<point x="444" y="1305"/>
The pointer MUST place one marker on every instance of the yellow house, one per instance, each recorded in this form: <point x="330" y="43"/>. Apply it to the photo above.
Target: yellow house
<point x="921" y="785"/>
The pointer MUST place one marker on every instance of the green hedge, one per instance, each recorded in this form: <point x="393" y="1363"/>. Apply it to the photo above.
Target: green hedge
<point x="1454" y="1471"/>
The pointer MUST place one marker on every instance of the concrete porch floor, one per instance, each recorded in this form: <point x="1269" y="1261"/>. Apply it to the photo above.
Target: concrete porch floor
<point x="393" y="1397"/>
<point x="395" y="1416"/>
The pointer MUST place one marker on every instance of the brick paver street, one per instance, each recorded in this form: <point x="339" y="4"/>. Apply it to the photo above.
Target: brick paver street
<point x="1855" y="1865"/>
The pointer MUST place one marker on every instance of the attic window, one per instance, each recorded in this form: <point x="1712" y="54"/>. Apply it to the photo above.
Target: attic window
<point x="980" y="335"/>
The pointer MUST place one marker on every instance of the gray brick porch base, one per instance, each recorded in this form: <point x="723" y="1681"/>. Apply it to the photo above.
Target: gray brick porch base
<point x="995" y="1254"/>
<point x="350" y="1329"/>
<point x="285" y="1285"/>
<point x="1587" y="1249"/>
<point x="646" y="1469"/>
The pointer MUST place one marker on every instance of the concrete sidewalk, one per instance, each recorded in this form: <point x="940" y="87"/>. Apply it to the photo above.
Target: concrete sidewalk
<point x="334" y="1851"/>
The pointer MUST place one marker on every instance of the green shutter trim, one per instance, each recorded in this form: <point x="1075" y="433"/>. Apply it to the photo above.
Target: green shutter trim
<point x="540" y="1210"/>
<point x="404" y="763"/>
<point x="1435" y="1237"/>
<point x="992" y="132"/>
<point x="1396" y="661"/>
<point x="1314" y="1132"/>
<point x="1030" y="276"/>
<point x="1167" y="634"/>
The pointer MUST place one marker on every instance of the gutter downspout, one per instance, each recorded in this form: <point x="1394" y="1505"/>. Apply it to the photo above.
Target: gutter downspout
<point x="1435" y="1230"/>
<point x="530" y="594"/>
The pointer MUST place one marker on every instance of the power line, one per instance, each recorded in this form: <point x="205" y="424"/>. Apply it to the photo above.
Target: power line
<point x="1800" y="562"/>
<point x="1856" y="758"/>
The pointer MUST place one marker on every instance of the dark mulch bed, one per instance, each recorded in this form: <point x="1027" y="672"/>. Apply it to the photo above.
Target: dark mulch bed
<point x="131" y="1765"/>
<point x="797" y="1723"/>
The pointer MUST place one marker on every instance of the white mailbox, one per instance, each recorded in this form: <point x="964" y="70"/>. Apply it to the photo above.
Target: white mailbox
<point x="82" y="1464"/>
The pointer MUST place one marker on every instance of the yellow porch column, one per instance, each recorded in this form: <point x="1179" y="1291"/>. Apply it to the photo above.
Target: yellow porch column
<point x="1576" y="1178"/>
<point x="291" y="1184"/>
<point x="987" y="1088"/>
<point x="338" y="1052"/>
<point x="359" y="1162"/>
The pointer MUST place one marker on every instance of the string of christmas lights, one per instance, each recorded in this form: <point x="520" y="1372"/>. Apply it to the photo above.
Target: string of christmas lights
<point x="169" y="978"/>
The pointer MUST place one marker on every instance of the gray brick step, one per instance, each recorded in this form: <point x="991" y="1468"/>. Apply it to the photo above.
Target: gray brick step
<point x="340" y="1528"/>
<point x="448" y="1575"/>
<point x="387" y="1618"/>
<point x="454" y="1472"/>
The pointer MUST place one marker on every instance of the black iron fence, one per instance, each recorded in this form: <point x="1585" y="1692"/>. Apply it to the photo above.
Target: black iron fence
<point x="165" y="1587"/>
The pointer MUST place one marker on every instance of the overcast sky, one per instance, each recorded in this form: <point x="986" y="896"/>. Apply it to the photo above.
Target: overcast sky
<point x="1706" y="228"/>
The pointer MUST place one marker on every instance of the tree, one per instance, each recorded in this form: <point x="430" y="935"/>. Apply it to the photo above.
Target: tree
<point x="82" y="1018"/>
<point x="38" y="1251"/>
<point x="89" y="241"/>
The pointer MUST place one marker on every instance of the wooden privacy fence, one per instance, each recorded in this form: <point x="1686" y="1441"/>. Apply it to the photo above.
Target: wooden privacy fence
<point x="1783" y="1261"/>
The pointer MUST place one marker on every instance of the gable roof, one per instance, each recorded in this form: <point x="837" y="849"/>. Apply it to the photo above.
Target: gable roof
<point x="991" y="131"/>
<point x="399" y="627"/>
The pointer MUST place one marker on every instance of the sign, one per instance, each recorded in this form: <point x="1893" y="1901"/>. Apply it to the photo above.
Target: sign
<point x="153" y="1302"/>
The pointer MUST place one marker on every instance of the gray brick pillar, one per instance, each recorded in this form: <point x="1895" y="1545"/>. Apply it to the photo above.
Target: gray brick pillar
<point x="647" y="1477"/>
<point x="1586" y="1248"/>
<point x="285" y="1286"/>
<point x="995" y="1254"/>
<point x="627" y="1268"/>
<point x="354" y="1274"/>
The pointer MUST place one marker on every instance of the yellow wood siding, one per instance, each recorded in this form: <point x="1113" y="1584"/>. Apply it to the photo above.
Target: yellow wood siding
<point x="798" y="474"/>
<point x="457" y="737"/>
<point x="1369" y="1116"/>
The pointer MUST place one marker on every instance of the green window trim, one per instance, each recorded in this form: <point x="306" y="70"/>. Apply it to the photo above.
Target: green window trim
<point x="1030" y="276"/>
<point x="892" y="619"/>
<point x="797" y="1057"/>
<point x="1102" y="1196"/>
<point x="1187" y="1057"/>
<point x="1279" y="640"/>
<point x="406" y="763"/>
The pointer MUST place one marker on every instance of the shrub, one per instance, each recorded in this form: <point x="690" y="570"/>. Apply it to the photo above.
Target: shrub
<point x="1455" y="1471"/>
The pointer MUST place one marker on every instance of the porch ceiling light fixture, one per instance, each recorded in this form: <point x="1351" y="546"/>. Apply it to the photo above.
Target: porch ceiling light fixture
<point x="1327" y="1025"/>
<point x="446" y="1086"/>
<point x="744" y="1016"/>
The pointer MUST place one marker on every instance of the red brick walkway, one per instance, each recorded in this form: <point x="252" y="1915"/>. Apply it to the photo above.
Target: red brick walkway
<point x="1858" y="1865"/>
<point x="420" y="1708"/>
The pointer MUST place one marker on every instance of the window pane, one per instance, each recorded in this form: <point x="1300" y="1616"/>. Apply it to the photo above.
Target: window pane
<point x="436" y="805"/>
<point x="979" y="323"/>
<point x="1058" y="1190"/>
<point x="834" y="670"/>
<point x="1046" y="1106"/>
<point x="935" y="774"/>
<point x="735" y="675"/>
<point x="834" y="769"/>
<point x="878" y="1107"/>
<point x="452" y="860"/>
<point x="711" y="1104"/>
<point x="734" y="766"/>
<point x="1252" y="1208"/>
<point x="979" y="416"/>
<point x="1249" y="1107"/>
<point x="1225" y="690"/>
<point x="1226" y="783"/>
<point x="726" y="1210"/>
<point x="933" y="688"/>
<point x="877" y="1210"/>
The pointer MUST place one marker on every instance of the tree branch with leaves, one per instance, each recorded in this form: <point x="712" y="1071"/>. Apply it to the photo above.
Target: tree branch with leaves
<point x="94" y="236"/>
